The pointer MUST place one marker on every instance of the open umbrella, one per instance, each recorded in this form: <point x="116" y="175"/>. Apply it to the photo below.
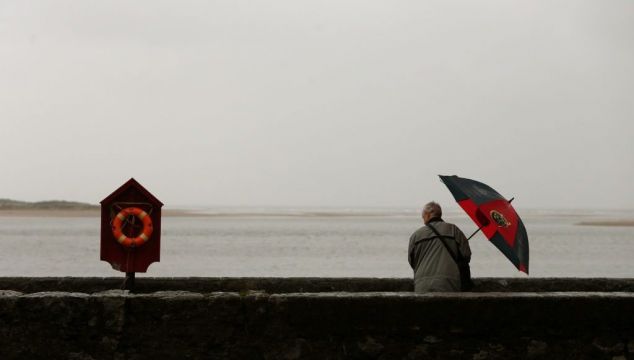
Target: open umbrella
<point x="494" y="215"/>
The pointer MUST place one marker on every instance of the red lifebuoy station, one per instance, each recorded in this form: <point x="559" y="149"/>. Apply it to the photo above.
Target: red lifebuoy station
<point x="131" y="228"/>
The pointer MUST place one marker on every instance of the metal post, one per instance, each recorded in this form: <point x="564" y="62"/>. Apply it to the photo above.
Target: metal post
<point x="128" y="283"/>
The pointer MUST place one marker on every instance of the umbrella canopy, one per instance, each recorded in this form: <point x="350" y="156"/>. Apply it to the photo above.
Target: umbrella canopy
<point x="494" y="215"/>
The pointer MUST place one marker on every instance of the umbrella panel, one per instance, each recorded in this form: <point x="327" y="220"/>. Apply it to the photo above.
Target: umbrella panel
<point x="503" y="227"/>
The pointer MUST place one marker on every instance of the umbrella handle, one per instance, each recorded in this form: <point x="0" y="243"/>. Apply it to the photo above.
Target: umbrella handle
<point x="475" y="232"/>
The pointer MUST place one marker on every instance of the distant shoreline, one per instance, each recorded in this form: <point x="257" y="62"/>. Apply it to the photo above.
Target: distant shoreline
<point x="62" y="213"/>
<point x="607" y="223"/>
<point x="9" y="204"/>
<point x="189" y="213"/>
<point x="63" y="209"/>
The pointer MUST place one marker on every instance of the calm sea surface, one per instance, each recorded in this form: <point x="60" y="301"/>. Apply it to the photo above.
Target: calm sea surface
<point x="330" y="246"/>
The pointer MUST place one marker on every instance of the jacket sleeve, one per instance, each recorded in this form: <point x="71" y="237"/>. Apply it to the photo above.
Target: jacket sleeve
<point x="463" y="244"/>
<point x="410" y="251"/>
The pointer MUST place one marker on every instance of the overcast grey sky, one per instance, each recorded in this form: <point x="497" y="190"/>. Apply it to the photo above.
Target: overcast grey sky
<point x="318" y="103"/>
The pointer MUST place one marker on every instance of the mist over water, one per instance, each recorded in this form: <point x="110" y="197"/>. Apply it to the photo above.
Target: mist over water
<point x="297" y="242"/>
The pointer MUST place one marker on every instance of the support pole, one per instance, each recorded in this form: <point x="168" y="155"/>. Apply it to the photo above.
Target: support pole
<point x="128" y="283"/>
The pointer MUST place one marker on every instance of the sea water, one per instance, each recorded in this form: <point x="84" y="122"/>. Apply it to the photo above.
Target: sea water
<point x="296" y="244"/>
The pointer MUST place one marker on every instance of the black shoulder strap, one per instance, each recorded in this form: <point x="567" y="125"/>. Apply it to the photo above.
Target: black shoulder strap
<point x="442" y="238"/>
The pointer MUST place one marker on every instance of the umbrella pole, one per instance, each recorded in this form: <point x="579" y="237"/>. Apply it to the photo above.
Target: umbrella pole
<point x="475" y="232"/>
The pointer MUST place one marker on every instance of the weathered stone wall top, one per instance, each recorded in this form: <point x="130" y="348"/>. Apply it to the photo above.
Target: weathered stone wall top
<point x="397" y="302"/>
<point x="300" y="318"/>
<point x="301" y="285"/>
<point x="116" y="324"/>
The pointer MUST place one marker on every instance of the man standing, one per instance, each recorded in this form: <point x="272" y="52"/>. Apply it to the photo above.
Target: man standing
<point x="434" y="267"/>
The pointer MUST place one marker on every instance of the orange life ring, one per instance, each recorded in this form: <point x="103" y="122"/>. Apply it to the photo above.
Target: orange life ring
<point x="118" y="222"/>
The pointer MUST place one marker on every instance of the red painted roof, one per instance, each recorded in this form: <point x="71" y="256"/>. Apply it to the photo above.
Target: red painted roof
<point x="126" y="186"/>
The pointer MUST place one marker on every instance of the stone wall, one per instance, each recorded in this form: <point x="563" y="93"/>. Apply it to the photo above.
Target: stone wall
<point x="314" y="319"/>
<point x="295" y="285"/>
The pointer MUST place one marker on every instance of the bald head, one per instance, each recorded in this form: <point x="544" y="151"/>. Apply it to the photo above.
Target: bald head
<point x="431" y="210"/>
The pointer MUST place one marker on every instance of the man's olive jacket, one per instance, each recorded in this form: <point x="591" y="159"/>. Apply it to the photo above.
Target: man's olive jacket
<point x="434" y="268"/>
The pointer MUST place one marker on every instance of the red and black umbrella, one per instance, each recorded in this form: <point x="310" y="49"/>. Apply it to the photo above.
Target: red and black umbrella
<point x="494" y="215"/>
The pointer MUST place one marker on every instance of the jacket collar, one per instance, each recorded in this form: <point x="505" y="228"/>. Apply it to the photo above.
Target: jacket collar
<point x="435" y="219"/>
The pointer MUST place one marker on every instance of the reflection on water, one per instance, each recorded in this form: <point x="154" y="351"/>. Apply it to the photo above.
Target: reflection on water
<point x="371" y="246"/>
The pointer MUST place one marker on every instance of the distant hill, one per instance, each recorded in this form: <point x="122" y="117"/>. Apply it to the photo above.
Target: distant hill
<point x="8" y="204"/>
